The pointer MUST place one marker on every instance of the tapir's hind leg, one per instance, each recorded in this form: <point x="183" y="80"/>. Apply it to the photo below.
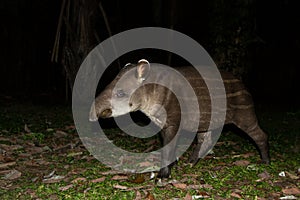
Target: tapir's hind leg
<point x="195" y="155"/>
<point x="248" y="123"/>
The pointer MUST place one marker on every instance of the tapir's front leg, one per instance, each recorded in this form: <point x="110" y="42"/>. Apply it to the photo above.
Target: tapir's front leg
<point x="169" y="138"/>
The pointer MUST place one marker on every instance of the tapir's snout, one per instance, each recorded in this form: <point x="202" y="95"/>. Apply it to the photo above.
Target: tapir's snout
<point x="96" y="112"/>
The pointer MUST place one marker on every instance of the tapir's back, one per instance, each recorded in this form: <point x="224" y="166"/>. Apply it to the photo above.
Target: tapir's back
<point x="238" y="99"/>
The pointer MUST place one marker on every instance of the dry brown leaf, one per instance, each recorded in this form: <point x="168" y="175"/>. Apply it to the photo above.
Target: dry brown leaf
<point x="180" y="185"/>
<point x="98" y="180"/>
<point x="264" y="175"/>
<point x="13" y="174"/>
<point x="121" y="187"/>
<point x="138" y="195"/>
<point x="36" y="150"/>
<point x="64" y="188"/>
<point x="201" y="195"/>
<point x="236" y="195"/>
<point x="149" y="196"/>
<point x="5" y="171"/>
<point x="111" y="172"/>
<point x="241" y="163"/>
<point x="293" y="190"/>
<point x="188" y="197"/>
<point x="60" y="134"/>
<point x="86" y="190"/>
<point x="53" y="179"/>
<point x="79" y="179"/>
<point x="118" y="177"/>
<point x="4" y="165"/>
<point x="32" y="193"/>
<point x="138" y="178"/>
<point x="246" y="155"/>
<point x="190" y="175"/>
<point x="292" y="176"/>
<point x="5" y="158"/>
<point x="11" y="148"/>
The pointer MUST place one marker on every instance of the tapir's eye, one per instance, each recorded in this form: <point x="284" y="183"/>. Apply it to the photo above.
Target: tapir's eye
<point x="120" y="93"/>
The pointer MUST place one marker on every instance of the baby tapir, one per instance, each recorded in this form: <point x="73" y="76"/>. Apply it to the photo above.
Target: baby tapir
<point x="151" y="99"/>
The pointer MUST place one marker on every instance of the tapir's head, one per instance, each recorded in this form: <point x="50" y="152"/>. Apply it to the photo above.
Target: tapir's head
<point x="121" y="95"/>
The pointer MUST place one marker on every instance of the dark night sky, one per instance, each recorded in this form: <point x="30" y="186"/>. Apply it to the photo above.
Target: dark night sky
<point x="27" y="32"/>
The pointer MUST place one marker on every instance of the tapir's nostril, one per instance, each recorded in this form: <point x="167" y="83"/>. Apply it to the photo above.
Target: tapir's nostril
<point x="106" y="113"/>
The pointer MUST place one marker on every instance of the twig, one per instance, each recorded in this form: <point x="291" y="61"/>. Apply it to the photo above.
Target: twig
<point x="54" y="56"/>
<point x="108" y="30"/>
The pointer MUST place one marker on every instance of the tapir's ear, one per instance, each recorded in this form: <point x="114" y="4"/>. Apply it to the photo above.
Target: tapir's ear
<point x="142" y="70"/>
<point x="127" y="65"/>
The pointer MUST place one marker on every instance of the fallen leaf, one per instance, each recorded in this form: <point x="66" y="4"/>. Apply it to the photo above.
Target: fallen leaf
<point x="138" y="195"/>
<point x="5" y="171"/>
<point x="200" y="196"/>
<point x="138" y="178"/>
<point x="190" y="175"/>
<point x="288" y="197"/>
<point x="53" y="179"/>
<point x="36" y="150"/>
<point x="13" y="174"/>
<point x="4" y="165"/>
<point x="80" y="179"/>
<point x="252" y="167"/>
<point x="197" y="187"/>
<point x="293" y="190"/>
<point x="86" y="190"/>
<point x="50" y="174"/>
<point x="98" y="180"/>
<point x="264" y="175"/>
<point x="242" y="163"/>
<point x="247" y="155"/>
<point x="188" y="197"/>
<point x="121" y="187"/>
<point x="64" y="188"/>
<point x="10" y="148"/>
<point x="236" y="195"/>
<point x="149" y="196"/>
<point x="6" y="158"/>
<point x="32" y="193"/>
<point x="73" y="154"/>
<point x="180" y="185"/>
<point x="109" y="172"/>
<point x="60" y="134"/>
<point x="292" y="176"/>
<point x="118" y="177"/>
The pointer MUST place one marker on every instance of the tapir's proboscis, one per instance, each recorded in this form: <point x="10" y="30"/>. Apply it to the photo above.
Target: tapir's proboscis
<point x="239" y="106"/>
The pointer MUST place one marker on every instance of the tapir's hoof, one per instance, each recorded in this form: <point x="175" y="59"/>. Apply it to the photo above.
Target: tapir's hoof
<point x="265" y="161"/>
<point x="193" y="160"/>
<point x="164" y="172"/>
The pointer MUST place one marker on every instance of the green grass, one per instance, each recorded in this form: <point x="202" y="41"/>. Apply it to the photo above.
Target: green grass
<point x="217" y="176"/>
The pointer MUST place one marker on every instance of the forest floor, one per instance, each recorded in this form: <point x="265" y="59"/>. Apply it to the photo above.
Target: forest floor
<point x="42" y="157"/>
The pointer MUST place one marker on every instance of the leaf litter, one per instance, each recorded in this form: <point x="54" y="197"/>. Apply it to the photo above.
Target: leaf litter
<point x="28" y="156"/>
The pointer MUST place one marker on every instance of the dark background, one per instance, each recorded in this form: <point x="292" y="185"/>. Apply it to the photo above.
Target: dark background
<point x="261" y="41"/>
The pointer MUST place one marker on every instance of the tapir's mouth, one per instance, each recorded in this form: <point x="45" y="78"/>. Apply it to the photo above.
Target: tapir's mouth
<point x="105" y="113"/>
<point x="94" y="114"/>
